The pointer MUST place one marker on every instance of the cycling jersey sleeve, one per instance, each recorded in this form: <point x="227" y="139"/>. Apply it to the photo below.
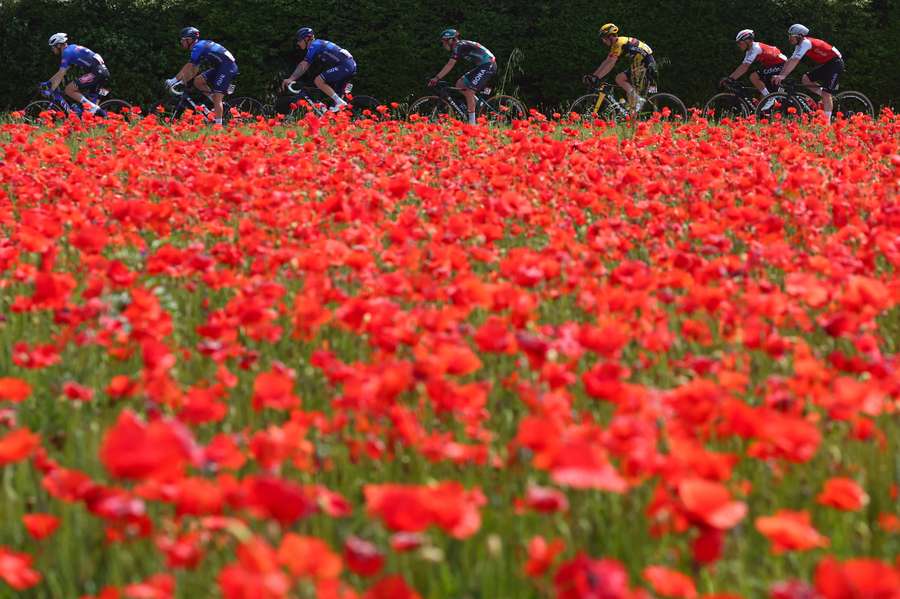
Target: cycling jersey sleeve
<point x="616" y="48"/>
<point x="801" y="49"/>
<point x="197" y="52"/>
<point x="314" y="49"/>
<point x="69" y="56"/>
<point x="752" y="54"/>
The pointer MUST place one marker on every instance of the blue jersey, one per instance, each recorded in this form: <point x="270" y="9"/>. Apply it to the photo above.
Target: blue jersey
<point x="211" y="53"/>
<point x="79" y="56"/>
<point x="328" y="54"/>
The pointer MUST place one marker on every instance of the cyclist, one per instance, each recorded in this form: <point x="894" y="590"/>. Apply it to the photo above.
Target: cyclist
<point x="826" y="75"/>
<point x="769" y="61"/>
<point x="643" y="65"/>
<point x="214" y="81"/>
<point x="94" y="77"/>
<point x="338" y="66"/>
<point x="475" y="80"/>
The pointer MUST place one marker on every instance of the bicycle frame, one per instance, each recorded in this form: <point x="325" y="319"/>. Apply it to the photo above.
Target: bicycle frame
<point x="186" y="101"/>
<point x="443" y="92"/>
<point x="58" y="99"/>
<point x="603" y="94"/>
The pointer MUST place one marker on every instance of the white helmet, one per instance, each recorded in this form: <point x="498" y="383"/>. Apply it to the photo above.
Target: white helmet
<point x="798" y="29"/>
<point x="57" y="39"/>
<point x="744" y="34"/>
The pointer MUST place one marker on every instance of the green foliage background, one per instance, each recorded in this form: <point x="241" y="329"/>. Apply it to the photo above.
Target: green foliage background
<point x="395" y="42"/>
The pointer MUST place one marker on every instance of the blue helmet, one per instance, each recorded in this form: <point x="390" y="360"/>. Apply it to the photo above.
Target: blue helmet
<point x="190" y="33"/>
<point x="449" y="34"/>
<point x="305" y="32"/>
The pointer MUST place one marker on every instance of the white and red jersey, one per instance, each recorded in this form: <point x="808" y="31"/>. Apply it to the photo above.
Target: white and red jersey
<point x="816" y="50"/>
<point x="768" y="56"/>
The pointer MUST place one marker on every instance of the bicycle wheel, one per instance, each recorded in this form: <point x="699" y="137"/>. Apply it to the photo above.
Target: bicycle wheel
<point x="430" y="108"/>
<point x="505" y="110"/>
<point x="120" y="107"/>
<point x="32" y="113"/>
<point x="726" y="105"/>
<point x="244" y="110"/>
<point x="779" y="106"/>
<point x="849" y="104"/>
<point x="364" y="107"/>
<point x="666" y="107"/>
<point x="586" y="106"/>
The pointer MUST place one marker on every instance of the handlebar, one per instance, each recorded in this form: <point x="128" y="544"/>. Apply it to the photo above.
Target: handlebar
<point x="178" y="89"/>
<point x="295" y="88"/>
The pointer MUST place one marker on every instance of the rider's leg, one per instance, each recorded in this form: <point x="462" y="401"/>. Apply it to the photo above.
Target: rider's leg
<point x="329" y="91"/>
<point x="73" y="92"/>
<point x="202" y="85"/>
<point x="827" y="104"/>
<point x="469" y="93"/>
<point x="759" y="84"/>
<point x="812" y="86"/>
<point x="631" y="94"/>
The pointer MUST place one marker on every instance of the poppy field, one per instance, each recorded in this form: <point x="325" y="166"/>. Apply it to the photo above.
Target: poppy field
<point x="389" y="360"/>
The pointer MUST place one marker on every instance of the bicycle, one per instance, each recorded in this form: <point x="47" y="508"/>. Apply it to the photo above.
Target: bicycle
<point x="57" y="104"/>
<point x="602" y="103"/>
<point x="791" y="101"/>
<point x="499" y="109"/>
<point x="241" y="108"/>
<point x="301" y="103"/>
<point x="737" y="101"/>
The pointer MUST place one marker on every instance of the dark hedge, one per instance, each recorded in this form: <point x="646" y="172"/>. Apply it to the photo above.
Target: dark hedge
<point x="552" y="44"/>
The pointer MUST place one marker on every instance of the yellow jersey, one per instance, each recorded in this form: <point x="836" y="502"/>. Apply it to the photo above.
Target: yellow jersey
<point x="630" y="46"/>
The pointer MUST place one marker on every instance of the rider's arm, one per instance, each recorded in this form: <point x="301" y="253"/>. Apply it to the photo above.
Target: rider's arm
<point x="740" y="71"/>
<point x="447" y="68"/>
<point x="187" y="72"/>
<point x="298" y="72"/>
<point x="57" y="78"/>
<point x="607" y="65"/>
<point x="789" y="66"/>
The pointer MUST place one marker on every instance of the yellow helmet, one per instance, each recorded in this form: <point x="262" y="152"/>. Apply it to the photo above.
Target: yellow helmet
<point x="609" y="29"/>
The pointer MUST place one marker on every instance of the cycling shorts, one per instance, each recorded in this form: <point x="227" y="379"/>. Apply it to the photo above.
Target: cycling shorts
<point x="219" y="78"/>
<point x="478" y="78"/>
<point x="642" y="72"/>
<point x="91" y="82"/>
<point x="828" y="74"/>
<point x="766" y="74"/>
<point x="339" y="75"/>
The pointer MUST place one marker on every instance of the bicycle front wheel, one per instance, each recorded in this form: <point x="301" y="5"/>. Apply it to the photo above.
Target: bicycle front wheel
<point x="119" y="107"/>
<point x="32" y="113"/>
<point x="849" y="104"/>
<point x="430" y="108"/>
<point x="665" y="107"/>
<point x="780" y="106"/>
<point x="726" y="105"/>
<point x="589" y="106"/>
<point x="505" y="110"/>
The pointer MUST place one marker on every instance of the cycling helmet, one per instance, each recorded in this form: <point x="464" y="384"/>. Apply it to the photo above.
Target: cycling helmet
<point x="304" y="32"/>
<point x="58" y="38"/>
<point x="744" y="35"/>
<point x="798" y="29"/>
<point x="609" y="29"/>
<point x="190" y="33"/>
<point x="449" y="34"/>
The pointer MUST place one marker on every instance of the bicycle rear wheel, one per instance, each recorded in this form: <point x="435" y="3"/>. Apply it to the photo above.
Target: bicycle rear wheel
<point x="244" y="110"/>
<point x="120" y="107"/>
<point x="780" y="106"/>
<point x="430" y="108"/>
<point x="505" y="110"/>
<point x="665" y="107"/>
<point x="849" y="104"/>
<point x="364" y="107"/>
<point x="726" y="105"/>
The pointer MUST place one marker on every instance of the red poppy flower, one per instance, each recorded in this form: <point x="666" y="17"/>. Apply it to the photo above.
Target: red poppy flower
<point x="843" y="494"/>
